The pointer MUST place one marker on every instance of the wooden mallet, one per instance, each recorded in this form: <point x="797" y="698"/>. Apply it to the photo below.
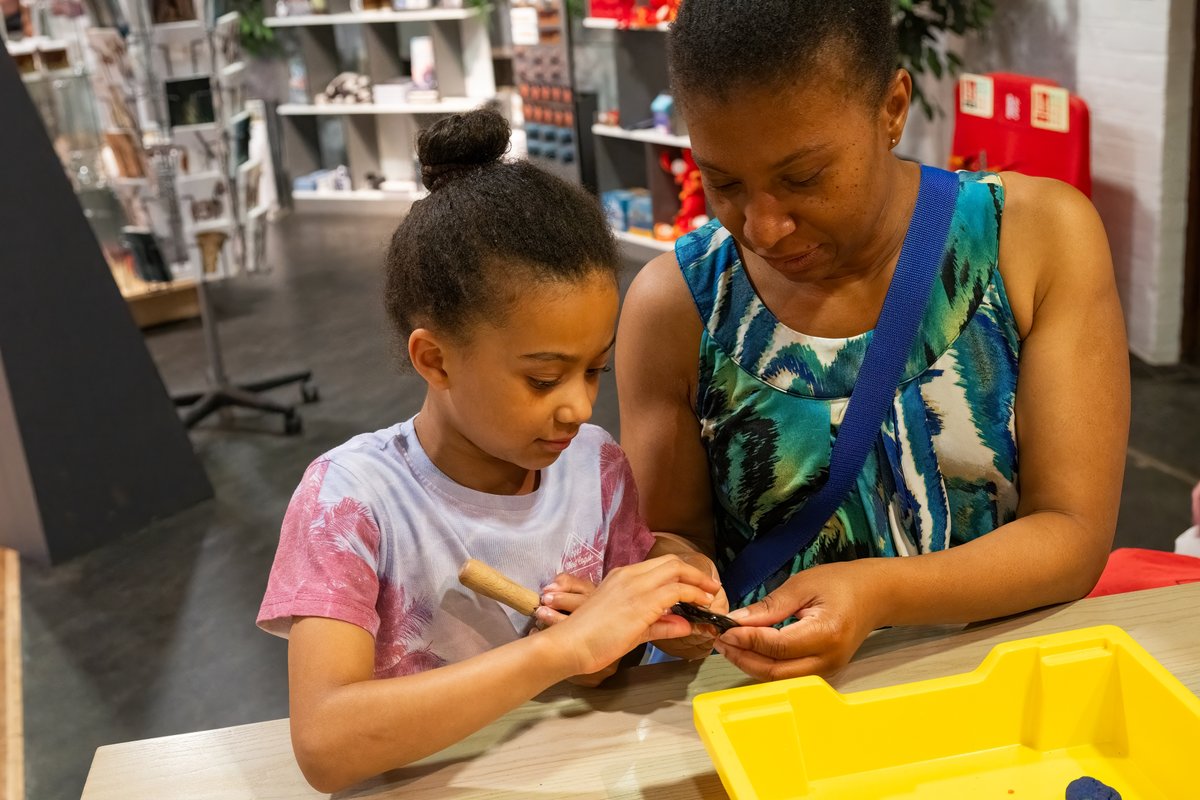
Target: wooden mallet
<point x="489" y="582"/>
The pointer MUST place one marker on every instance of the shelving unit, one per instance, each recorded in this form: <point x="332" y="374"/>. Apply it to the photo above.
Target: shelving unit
<point x="607" y="24"/>
<point x="375" y="139"/>
<point x="646" y="136"/>
<point x="627" y="155"/>
<point x="371" y="17"/>
<point x="649" y="243"/>
<point x="365" y="201"/>
<point x="447" y="105"/>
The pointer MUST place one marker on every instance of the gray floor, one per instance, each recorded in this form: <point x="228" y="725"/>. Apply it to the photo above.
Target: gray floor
<point x="154" y="634"/>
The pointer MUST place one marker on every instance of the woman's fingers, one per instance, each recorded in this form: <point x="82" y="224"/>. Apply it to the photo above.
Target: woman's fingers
<point x="764" y="668"/>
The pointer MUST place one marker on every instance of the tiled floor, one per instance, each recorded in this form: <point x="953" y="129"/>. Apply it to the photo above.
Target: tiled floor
<point x="154" y="634"/>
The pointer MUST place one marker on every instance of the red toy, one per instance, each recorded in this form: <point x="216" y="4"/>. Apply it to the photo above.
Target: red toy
<point x="653" y="13"/>
<point x="636" y="13"/>
<point x="693" y="212"/>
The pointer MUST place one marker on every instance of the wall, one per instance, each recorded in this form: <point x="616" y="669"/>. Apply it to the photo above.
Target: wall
<point x="1131" y="61"/>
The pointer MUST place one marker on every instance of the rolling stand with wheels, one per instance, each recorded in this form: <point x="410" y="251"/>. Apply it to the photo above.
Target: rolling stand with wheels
<point x="224" y="394"/>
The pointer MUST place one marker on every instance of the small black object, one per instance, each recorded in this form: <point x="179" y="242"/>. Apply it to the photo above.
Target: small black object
<point x="702" y="616"/>
<point x="1088" y="788"/>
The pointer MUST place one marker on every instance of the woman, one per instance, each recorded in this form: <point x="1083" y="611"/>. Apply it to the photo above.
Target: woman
<point x="999" y="467"/>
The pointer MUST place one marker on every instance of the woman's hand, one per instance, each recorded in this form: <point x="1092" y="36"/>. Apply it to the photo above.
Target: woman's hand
<point x="630" y="606"/>
<point x="835" y="612"/>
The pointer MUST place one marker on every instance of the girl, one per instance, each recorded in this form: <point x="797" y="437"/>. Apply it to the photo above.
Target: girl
<point x="502" y="285"/>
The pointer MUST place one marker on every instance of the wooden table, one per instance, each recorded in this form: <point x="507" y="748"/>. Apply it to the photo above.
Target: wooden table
<point x="633" y="740"/>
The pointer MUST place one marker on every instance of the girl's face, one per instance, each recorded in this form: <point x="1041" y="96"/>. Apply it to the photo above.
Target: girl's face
<point x="517" y="392"/>
<point x="800" y="176"/>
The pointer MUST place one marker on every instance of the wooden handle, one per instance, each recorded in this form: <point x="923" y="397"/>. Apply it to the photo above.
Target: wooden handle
<point x="481" y="578"/>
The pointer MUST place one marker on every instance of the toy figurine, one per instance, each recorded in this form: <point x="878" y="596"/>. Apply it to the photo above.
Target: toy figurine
<point x="654" y="12"/>
<point x="692" y="211"/>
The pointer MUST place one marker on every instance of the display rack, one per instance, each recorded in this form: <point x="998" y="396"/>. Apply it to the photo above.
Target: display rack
<point x="375" y="141"/>
<point x="555" y="114"/>
<point x="175" y="99"/>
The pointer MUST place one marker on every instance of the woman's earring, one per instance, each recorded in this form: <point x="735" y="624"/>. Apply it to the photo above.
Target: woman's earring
<point x="893" y="142"/>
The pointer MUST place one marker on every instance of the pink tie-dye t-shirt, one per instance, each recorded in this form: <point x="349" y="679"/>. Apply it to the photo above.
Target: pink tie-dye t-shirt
<point x="375" y="535"/>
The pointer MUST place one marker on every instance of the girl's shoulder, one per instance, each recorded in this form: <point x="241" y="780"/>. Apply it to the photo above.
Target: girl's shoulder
<point x="595" y="449"/>
<point x="364" y="460"/>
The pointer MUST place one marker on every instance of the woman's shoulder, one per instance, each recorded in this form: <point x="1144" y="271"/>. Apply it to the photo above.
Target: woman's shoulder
<point x="1050" y="228"/>
<point x="660" y="288"/>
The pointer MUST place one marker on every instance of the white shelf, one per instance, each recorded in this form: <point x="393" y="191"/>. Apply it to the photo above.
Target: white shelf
<point x="178" y="32"/>
<point x="609" y="24"/>
<point x="371" y="17"/>
<point x="447" y="105"/>
<point x="367" y="201"/>
<point x="647" y="135"/>
<point x="644" y="241"/>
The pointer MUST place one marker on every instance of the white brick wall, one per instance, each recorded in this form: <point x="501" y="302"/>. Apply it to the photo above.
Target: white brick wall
<point x="1131" y="60"/>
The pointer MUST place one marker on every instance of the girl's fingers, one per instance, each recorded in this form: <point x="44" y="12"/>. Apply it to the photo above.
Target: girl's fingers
<point x="562" y="601"/>
<point x="568" y="583"/>
<point x="546" y="616"/>
<point x="664" y="568"/>
<point x="670" y="626"/>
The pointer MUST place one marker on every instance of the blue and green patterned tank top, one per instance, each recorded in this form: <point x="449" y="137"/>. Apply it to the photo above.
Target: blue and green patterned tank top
<point x="770" y="400"/>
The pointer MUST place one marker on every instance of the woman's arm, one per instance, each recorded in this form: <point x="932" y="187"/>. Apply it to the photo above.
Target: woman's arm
<point x="1072" y="412"/>
<point x="347" y="726"/>
<point x="658" y="350"/>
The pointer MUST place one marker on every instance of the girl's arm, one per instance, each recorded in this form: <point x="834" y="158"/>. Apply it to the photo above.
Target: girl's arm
<point x="346" y="726"/>
<point x="1072" y="411"/>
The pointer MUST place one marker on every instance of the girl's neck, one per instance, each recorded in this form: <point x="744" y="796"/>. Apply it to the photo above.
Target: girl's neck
<point x="463" y="462"/>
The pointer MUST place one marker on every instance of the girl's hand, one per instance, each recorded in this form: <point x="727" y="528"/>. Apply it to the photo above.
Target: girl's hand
<point x="566" y="593"/>
<point x="835" y="612"/>
<point x="702" y="638"/>
<point x="630" y="606"/>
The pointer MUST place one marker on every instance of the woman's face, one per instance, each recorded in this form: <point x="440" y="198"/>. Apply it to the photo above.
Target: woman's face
<point x="801" y="176"/>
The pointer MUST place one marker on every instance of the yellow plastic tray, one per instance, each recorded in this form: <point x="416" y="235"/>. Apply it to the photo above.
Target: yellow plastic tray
<point x="1035" y="715"/>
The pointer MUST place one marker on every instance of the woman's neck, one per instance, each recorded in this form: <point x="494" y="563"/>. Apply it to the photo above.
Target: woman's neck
<point x="463" y="462"/>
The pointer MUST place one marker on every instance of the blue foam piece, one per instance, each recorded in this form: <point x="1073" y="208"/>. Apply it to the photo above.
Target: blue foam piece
<point x="1087" y="788"/>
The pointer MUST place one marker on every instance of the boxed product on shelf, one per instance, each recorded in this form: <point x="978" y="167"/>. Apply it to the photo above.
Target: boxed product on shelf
<point x="323" y="180"/>
<point x="424" y="74"/>
<point x="667" y="119"/>
<point x="393" y="92"/>
<point x="616" y="207"/>
<point x="641" y="213"/>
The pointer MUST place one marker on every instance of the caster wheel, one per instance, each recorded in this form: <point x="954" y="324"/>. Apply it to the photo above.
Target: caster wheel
<point x="309" y="392"/>
<point x="292" y="424"/>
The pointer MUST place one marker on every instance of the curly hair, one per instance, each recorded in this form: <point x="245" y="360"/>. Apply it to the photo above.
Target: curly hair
<point x="487" y="227"/>
<point x="718" y="47"/>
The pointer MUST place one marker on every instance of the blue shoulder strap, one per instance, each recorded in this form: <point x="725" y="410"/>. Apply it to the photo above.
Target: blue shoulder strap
<point x="874" y="391"/>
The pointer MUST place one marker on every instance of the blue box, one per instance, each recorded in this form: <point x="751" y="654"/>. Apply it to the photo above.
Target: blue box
<point x="641" y="213"/>
<point x="616" y="207"/>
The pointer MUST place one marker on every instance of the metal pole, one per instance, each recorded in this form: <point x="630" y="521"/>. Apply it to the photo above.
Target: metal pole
<point x="212" y="344"/>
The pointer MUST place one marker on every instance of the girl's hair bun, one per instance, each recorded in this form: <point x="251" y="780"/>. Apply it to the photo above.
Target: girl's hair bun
<point x="461" y="143"/>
